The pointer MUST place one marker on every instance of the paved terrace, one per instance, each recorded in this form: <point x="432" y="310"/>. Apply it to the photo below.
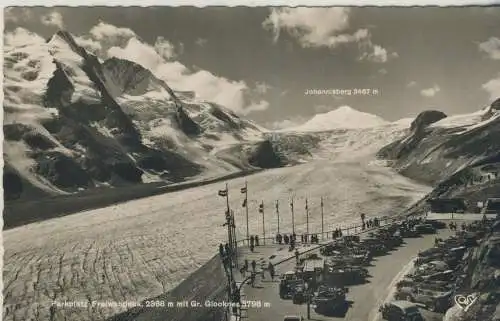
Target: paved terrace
<point x="363" y="300"/>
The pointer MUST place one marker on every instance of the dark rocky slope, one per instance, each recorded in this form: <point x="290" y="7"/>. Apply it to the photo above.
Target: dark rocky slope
<point x="482" y="278"/>
<point x="111" y="123"/>
<point x="454" y="158"/>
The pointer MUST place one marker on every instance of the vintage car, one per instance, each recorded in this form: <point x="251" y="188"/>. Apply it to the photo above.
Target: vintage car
<point x="298" y="293"/>
<point x="409" y="232"/>
<point x="290" y="287"/>
<point x="433" y="266"/>
<point x="430" y="285"/>
<point x="329" y="299"/>
<point x="435" y="223"/>
<point x="346" y="275"/>
<point x="425" y="229"/>
<point x="446" y="276"/>
<point x="375" y="246"/>
<point x="433" y="300"/>
<point x="287" y="281"/>
<point x="400" y="311"/>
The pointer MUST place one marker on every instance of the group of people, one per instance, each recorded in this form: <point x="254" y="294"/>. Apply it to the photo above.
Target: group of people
<point x="313" y="238"/>
<point x="337" y="233"/>
<point x="244" y="270"/>
<point x="225" y="253"/>
<point x="287" y="239"/>
<point x="254" y="241"/>
<point x="292" y="238"/>
<point x="374" y="222"/>
<point x="453" y="226"/>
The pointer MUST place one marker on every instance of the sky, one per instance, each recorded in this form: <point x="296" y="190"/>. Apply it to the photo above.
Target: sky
<point x="265" y="62"/>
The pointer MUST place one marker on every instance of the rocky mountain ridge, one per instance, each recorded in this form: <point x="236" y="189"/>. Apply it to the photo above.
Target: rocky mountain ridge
<point x="450" y="152"/>
<point x="73" y="122"/>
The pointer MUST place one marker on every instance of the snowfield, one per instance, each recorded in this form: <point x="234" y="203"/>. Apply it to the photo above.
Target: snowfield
<point x="342" y="117"/>
<point x="140" y="249"/>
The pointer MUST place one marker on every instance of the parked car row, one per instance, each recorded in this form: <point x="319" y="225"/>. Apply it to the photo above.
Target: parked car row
<point x="436" y="274"/>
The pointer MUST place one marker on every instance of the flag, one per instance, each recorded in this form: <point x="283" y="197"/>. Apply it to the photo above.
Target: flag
<point x="277" y="206"/>
<point x="261" y="208"/>
<point x="321" y="201"/>
<point x="223" y="192"/>
<point x="243" y="190"/>
<point x="307" y="207"/>
<point x="244" y="203"/>
<point x="291" y="204"/>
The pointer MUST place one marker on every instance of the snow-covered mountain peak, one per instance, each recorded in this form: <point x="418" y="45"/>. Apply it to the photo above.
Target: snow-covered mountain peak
<point x="74" y="122"/>
<point x="344" y="117"/>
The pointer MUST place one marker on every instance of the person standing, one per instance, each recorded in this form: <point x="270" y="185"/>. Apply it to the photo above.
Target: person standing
<point x="271" y="270"/>
<point x="221" y="250"/>
<point x="245" y="265"/>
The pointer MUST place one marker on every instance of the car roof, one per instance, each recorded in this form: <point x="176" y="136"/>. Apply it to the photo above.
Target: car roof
<point x="404" y="304"/>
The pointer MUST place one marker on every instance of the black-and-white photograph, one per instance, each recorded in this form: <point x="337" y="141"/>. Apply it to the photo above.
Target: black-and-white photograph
<point x="251" y="163"/>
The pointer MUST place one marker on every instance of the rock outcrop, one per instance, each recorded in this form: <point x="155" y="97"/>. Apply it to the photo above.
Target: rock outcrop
<point x="439" y="148"/>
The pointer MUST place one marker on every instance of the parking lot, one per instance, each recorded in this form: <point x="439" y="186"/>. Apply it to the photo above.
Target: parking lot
<point x="362" y="299"/>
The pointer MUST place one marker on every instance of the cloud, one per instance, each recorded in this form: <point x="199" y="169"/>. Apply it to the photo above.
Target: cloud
<point x="104" y="31"/>
<point x="324" y="27"/>
<point x="107" y="41"/>
<point x="260" y="106"/>
<point x="53" y="19"/>
<point x="314" y="27"/>
<point x="21" y="37"/>
<point x="262" y="88"/>
<point x="164" y="48"/>
<point x="201" y="42"/>
<point x="16" y="14"/>
<point x="287" y="123"/>
<point x="89" y="44"/>
<point x="491" y="47"/>
<point x="378" y="54"/>
<point x="430" y="92"/>
<point x="493" y="87"/>
<point x="207" y="86"/>
<point x="411" y="84"/>
<point x="382" y="71"/>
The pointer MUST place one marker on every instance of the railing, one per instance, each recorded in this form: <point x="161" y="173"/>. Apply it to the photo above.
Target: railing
<point x="383" y="221"/>
<point x="350" y="230"/>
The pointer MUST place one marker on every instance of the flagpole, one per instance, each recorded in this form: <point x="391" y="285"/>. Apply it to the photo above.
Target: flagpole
<point x="230" y="234"/>
<point x="234" y="239"/>
<point x="307" y="219"/>
<point x="263" y="225"/>
<point x="227" y="197"/>
<point x="229" y="222"/>
<point x="278" y="213"/>
<point x="229" y="218"/>
<point x="246" y="209"/>
<point x="322" y="220"/>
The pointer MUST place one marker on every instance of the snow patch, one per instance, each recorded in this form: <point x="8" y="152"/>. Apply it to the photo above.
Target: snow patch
<point x="343" y="117"/>
<point x="462" y="120"/>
